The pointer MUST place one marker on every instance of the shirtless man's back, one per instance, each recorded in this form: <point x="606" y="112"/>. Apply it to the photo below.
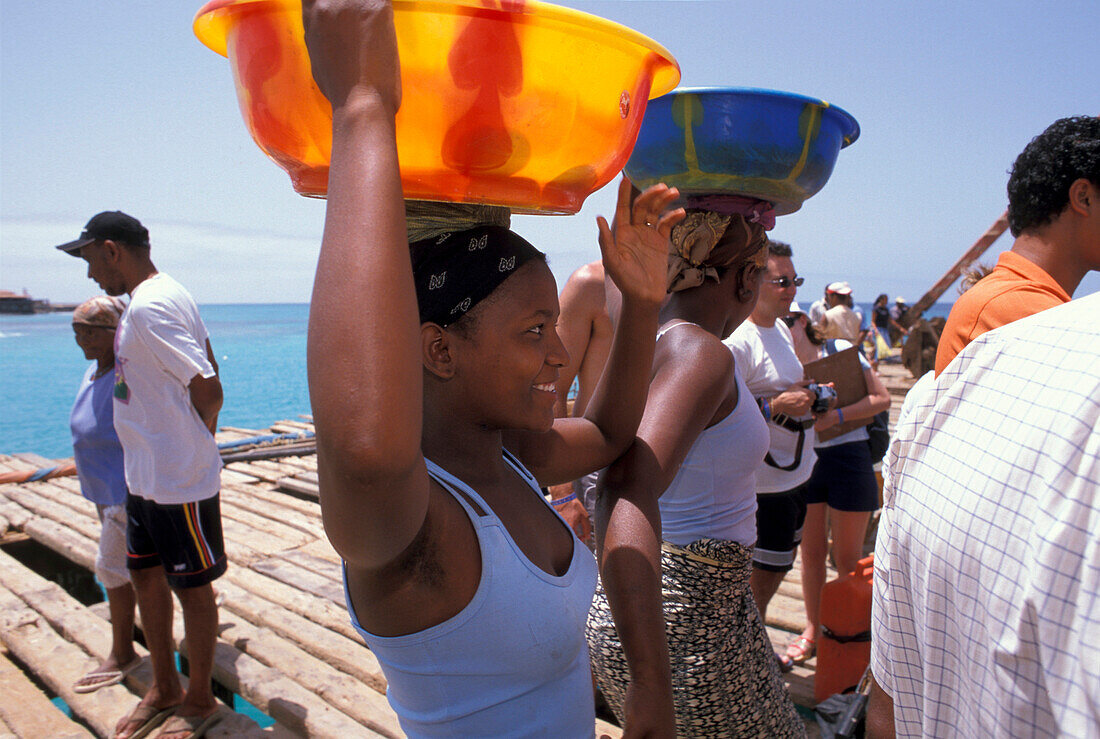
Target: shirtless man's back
<point x="585" y="329"/>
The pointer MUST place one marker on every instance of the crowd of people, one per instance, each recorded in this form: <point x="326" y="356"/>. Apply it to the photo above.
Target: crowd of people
<point x="505" y="550"/>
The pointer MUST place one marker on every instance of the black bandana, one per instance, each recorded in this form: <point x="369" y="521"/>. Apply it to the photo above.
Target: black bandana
<point x="455" y="271"/>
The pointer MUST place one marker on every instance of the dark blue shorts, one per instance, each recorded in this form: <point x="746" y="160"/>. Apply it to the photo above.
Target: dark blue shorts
<point x="779" y="519"/>
<point x="186" y="539"/>
<point x="844" y="478"/>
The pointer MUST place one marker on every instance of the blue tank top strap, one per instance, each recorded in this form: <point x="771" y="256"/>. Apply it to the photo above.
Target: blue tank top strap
<point x="460" y="491"/>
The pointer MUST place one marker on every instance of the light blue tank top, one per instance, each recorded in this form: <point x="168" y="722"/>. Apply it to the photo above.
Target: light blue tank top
<point x="96" y="448"/>
<point x="714" y="492"/>
<point x="513" y="662"/>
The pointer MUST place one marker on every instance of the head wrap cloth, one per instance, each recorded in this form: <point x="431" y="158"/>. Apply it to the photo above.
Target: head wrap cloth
<point x="102" y="310"/>
<point x="719" y="231"/>
<point x="455" y="271"/>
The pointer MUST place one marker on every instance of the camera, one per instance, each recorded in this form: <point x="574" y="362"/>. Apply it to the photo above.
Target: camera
<point x="823" y="395"/>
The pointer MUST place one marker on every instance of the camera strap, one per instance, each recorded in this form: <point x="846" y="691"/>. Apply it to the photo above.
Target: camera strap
<point x="799" y="427"/>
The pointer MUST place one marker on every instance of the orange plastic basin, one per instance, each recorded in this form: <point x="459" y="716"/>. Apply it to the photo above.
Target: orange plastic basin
<point x="508" y="102"/>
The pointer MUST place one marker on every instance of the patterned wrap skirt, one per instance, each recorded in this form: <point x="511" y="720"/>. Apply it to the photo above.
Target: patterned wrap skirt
<point x="725" y="680"/>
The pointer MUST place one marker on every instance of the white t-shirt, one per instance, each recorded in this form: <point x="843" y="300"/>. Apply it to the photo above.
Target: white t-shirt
<point x="170" y="456"/>
<point x="766" y="359"/>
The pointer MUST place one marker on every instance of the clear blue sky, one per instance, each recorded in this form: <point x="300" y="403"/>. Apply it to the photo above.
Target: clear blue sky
<point x="117" y="105"/>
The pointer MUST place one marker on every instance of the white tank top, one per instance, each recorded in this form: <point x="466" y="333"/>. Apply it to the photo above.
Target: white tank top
<point x="513" y="662"/>
<point x="714" y="493"/>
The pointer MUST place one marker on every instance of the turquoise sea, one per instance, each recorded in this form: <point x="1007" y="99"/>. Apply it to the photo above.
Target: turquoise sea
<point x="261" y="350"/>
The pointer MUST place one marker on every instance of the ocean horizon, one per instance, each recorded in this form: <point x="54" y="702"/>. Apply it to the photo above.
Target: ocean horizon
<point x="261" y="353"/>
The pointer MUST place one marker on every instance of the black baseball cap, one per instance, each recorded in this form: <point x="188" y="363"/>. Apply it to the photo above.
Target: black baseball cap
<point x="110" y="224"/>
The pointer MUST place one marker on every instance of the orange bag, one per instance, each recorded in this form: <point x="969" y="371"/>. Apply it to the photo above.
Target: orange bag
<point x="844" y="650"/>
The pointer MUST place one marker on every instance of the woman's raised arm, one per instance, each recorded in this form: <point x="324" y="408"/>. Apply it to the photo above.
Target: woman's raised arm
<point x="635" y="257"/>
<point x="363" y="355"/>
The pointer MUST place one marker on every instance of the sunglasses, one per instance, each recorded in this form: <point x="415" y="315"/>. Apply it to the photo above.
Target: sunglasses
<point x="789" y="320"/>
<point x="784" y="282"/>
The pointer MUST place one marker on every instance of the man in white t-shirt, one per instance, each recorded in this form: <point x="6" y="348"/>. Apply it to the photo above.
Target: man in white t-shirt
<point x="167" y="396"/>
<point x="765" y="356"/>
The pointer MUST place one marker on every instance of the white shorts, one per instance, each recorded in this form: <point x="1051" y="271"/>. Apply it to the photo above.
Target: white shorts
<point x="110" y="561"/>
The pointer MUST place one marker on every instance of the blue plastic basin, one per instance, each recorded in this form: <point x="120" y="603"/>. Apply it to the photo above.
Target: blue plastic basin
<point x="775" y="146"/>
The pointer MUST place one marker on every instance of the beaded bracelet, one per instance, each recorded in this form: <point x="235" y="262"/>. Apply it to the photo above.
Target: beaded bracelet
<point x="840" y="415"/>
<point x="566" y="499"/>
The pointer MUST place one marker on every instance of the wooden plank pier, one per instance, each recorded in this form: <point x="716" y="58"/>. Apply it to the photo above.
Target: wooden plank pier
<point x="285" y="642"/>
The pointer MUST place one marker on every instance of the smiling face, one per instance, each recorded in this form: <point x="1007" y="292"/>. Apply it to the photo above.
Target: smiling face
<point x="509" y="359"/>
<point x="98" y="342"/>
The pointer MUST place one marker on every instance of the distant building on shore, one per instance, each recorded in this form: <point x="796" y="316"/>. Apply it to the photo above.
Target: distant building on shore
<point x="11" y="302"/>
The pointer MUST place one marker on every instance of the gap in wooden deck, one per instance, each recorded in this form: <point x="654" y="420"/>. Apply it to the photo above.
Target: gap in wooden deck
<point x="77" y="581"/>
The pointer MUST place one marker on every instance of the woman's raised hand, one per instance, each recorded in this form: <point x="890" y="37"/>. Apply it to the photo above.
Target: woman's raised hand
<point x="353" y="50"/>
<point x="635" y="247"/>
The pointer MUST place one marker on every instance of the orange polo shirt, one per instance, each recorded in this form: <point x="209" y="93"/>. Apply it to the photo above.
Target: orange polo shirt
<point x="1015" y="289"/>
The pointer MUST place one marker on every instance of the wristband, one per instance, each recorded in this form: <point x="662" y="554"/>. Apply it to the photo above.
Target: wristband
<point x="766" y="408"/>
<point x="566" y="499"/>
<point x="840" y="415"/>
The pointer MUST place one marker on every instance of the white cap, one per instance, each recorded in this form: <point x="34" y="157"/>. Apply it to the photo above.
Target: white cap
<point x="840" y="288"/>
<point x="795" y="308"/>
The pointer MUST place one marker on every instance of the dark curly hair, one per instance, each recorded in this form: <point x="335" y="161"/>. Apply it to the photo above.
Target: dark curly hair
<point x="779" y="248"/>
<point x="1038" y="184"/>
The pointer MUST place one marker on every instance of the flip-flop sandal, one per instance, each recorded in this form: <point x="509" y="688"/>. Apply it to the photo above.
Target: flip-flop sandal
<point x="105" y="678"/>
<point x="804" y="649"/>
<point x="196" y="725"/>
<point x="150" y="717"/>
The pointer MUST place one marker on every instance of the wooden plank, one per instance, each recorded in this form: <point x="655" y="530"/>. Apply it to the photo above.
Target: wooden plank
<point x="51" y="491"/>
<point x="26" y="710"/>
<point x="320" y="610"/>
<point x="294" y="485"/>
<point x="278" y="696"/>
<point x="270" y="527"/>
<point x="325" y="566"/>
<point x="786" y="613"/>
<point x="309" y="582"/>
<point x="44" y="508"/>
<point x="16" y="514"/>
<point x="247" y="544"/>
<point x="251" y="468"/>
<point x="65" y="615"/>
<point x="35" y="460"/>
<point x="31" y="640"/>
<point x="270" y="509"/>
<point x="290" y="427"/>
<point x="343" y="652"/>
<point x="76" y="547"/>
<point x="89" y="628"/>
<point x="230" y="477"/>
<point x="239" y="432"/>
<point x="342" y="691"/>
<point x="267" y="494"/>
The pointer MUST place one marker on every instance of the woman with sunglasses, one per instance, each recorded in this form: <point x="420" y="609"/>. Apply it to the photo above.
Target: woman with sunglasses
<point x="432" y="385"/>
<point x="676" y="516"/>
